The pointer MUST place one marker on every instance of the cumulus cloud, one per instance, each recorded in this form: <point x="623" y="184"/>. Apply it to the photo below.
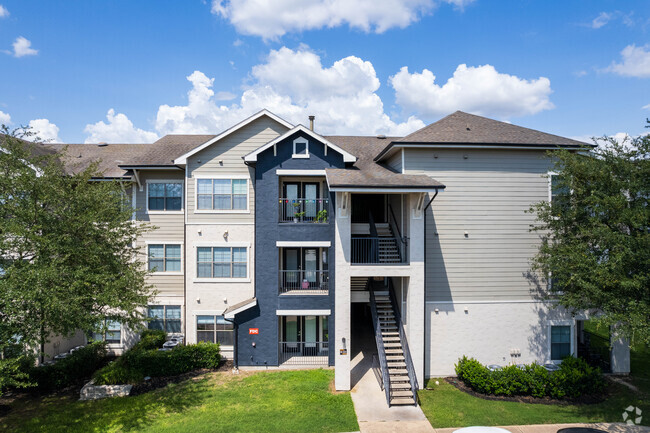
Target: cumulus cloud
<point x="119" y="129"/>
<point x="480" y="90"/>
<point x="5" y="119"/>
<point x="292" y="84"/>
<point x="44" y="130"/>
<point x="271" y="20"/>
<point x="602" y="19"/>
<point x="3" y="12"/>
<point x="635" y="62"/>
<point x="23" y="47"/>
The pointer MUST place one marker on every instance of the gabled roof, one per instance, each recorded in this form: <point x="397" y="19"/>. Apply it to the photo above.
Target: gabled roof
<point x="461" y="128"/>
<point x="347" y="157"/>
<point x="182" y="160"/>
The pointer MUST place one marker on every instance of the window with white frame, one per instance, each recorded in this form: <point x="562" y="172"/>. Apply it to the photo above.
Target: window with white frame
<point x="164" y="257"/>
<point x="165" y="318"/>
<point x="110" y="332"/>
<point x="164" y="196"/>
<point x="214" y="329"/>
<point x="222" y="262"/>
<point x="560" y="342"/>
<point x="222" y="194"/>
<point x="300" y="148"/>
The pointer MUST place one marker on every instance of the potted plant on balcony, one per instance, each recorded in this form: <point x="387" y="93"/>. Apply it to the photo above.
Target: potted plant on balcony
<point x="296" y="212"/>
<point x="321" y="216"/>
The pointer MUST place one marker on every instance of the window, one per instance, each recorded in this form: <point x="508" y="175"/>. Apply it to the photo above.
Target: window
<point x="165" y="318"/>
<point x="165" y="196"/>
<point x="164" y="258"/>
<point x="221" y="262"/>
<point x="300" y="148"/>
<point x="214" y="329"/>
<point x="222" y="194"/>
<point x="112" y="333"/>
<point x="560" y="342"/>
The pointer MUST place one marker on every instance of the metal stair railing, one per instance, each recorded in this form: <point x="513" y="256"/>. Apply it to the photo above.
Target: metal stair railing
<point x="405" y="345"/>
<point x="397" y="234"/>
<point x="381" y="351"/>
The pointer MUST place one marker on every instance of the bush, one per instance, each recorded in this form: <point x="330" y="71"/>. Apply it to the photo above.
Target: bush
<point x="72" y="370"/>
<point x="150" y="339"/>
<point x="574" y="379"/>
<point x="14" y="372"/>
<point x="137" y="363"/>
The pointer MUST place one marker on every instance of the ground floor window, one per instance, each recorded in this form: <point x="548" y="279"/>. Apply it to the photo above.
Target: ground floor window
<point x="214" y="329"/>
<point x="112" y="333"/>
<point x="165" y="318"/>
<point x="560" y="342"/>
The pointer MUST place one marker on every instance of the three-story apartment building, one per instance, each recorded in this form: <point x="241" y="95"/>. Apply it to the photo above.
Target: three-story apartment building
<point x="277" y="242"/>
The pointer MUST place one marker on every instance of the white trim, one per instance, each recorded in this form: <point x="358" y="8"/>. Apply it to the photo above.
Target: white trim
<point x="165" y="243"/>
<point x="197" y="279"/>
<point x="387" y="190"/>
<point x="221" y="280"/>
<point x="303" y="312"/>
<point x="299" y="156"/>
<point x="291" y="172"/>
<point x="403" y="168"/>
<point x="512" y="301"/>
<point x="164" y="212"/>
<point x="347" y="157"/>
<point x="221" y="244"/>
<point x="306" y="244"/>
<point x="181" y="160"/>
<point x="231" y="314"/>
<point x="221" y="176"/>
<point x="550" y="175"/>
<point x="225" y="223"/>
<point x="133" y="202"/>
<point x="222" y="211"/>
<point x="572" y="329"/>
<point x="301" y="140"/>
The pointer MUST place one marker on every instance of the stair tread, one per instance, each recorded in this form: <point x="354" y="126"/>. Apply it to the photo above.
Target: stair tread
<point x="397" y="372"/>
<point x="402" y="400"/>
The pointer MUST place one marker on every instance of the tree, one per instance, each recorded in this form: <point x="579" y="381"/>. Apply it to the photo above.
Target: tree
<point x="66" y="245"/>
<point x="596" y="234"/>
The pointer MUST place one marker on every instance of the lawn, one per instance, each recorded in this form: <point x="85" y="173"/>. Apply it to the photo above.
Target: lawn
<point x="287" y="401"/>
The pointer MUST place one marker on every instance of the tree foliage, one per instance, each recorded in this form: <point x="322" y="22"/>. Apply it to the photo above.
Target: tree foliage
<point x="596" y="234"/>
<point x="66" y="245"/>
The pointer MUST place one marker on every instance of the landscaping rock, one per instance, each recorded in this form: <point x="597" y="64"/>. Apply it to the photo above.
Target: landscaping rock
<point x="90" y="391"/>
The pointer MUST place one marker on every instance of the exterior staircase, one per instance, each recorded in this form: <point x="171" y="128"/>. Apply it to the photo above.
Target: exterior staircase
<point x="397" y="372"/>
<point x="388" y="248"/>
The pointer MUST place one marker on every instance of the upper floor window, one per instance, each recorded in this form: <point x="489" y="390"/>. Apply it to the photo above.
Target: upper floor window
<point x="222" y="262"/>
<point x="222" y="194"/>
<point x="165" y="317"/>
<point x="164" y="258"/>
<point x="300" y="148"/>
<point x="164" y="196"/>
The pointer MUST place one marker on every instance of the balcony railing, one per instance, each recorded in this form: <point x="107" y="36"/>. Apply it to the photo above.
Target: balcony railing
<point x="377" y="250"/>
<point x="302" y="281"/>
<point x="304" y="210"/>
<point x="303" y="353"/>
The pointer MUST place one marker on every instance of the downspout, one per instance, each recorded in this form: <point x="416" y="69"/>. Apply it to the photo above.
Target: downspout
<point x="424" y="304"/>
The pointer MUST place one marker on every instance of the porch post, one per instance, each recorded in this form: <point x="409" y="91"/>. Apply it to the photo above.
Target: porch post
<point x="342" y="344"/>
<point x="416" y="298"/>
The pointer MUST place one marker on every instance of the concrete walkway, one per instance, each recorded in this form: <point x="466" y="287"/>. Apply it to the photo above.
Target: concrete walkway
<point x="553" y="428"/>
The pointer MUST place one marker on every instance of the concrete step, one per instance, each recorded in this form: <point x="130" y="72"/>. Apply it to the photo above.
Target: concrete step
<point x="403" y="394"/>
<point x="400" y="385"/>
<point x="395" y="358"/>
<point x="392" y="345"/>
<point x="394" y="352"/>
<point x="402" y="401"/>
<point x="390" y="339"/>
<point x="396" y="371"/>
<point x="399" y="378"/>
<point x="396" y="364"/>
<point x="389" y="334"/>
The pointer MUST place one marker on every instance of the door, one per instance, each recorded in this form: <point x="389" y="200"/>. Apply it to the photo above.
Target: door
<point x="291" y="272"/>
<point x="292" y="206"/>
<point x="310" y="266"/>
<point x="291" y="334"/>
<point x="310" y="336"/>
<point x="310" y="194"/>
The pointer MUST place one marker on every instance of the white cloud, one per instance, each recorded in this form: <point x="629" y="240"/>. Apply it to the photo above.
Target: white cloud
<point x="23" y="47"/>
<point x="44" y="130"/>
<point x="292" y="84"/>
<point x="119" y="129"/>
<point x="479" y="90"/>
<point x="605" y="18"/>
<point x="636" y="62"/>
<point x="224" y="96"/>
<point x="602" y="19"/>
<point x="646" y="107"/>
<point x="5" y="119"/>
<point x="271" y="20"/>
<point x="3" y="12"/>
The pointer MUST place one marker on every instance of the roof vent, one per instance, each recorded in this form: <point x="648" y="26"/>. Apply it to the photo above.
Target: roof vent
<point x="311" y="122"/>
<point x="102" y="144"/>
<point x="381" y="136"/>
<point x="468" y="127"/>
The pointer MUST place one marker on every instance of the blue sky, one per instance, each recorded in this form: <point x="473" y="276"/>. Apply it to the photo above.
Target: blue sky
<point x="574" y="68"/>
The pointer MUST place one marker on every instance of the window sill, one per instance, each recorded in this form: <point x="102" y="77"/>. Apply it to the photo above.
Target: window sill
<point x="300" y="156"/>
<point x="162" y="274"/>
<point x="165" y="212"/>
<point x="221" y="280"/>
<point x="225" y="211"/>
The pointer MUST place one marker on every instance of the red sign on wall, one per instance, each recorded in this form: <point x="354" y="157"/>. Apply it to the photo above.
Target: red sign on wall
<point x="254" y="331"/>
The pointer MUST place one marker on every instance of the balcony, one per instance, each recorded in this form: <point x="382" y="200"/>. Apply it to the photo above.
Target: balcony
<point x="304" y="210"/>
<point x="303" y="353"/>
<point x="304" y="282"/>
<point x="378" y="250"/>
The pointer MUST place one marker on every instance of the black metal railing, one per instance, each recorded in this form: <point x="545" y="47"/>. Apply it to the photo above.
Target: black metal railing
<point x="303" y="280"/>
<point x="377" y="370"/>
<point x="381" y="350"/>
<point x="303" y="353"/>
<point x="405" y="345"/>
<point x="375" y="250"/>
<point x="304" y="210"/>
<point x="402" y="241"/>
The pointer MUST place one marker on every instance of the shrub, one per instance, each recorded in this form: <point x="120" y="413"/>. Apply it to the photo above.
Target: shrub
<point x="150" y="339"/>
<point x="14" y="372"/>
<point x="80" y="365"/>
<point x="574" y="379"/>
<point x="137" y="363"/>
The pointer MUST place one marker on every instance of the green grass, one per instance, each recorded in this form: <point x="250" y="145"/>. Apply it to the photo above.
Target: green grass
<point x="288" y="401"/>
<point x="446" y="406"/>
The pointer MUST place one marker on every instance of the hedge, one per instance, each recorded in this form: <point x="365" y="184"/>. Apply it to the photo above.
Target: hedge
<point x="14" y="372"/>
<point x="78" y="366"/>
<point x="137" y="363"/>
<point x="575" y="378"/>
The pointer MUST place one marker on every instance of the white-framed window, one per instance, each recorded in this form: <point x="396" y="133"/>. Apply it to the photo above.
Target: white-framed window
<point x="165" y="318"/>
<point x="164" y="196"/>
<point x="164" y="258"/>
<point x="222" y="262"/>
<point x="560" y="337"/>
<point x="554" y="188"/>
<point x="214" y="329"/>
<point x="112" y="333"/>
<point x="222" y="194"/>
<point x="300" y="148"/>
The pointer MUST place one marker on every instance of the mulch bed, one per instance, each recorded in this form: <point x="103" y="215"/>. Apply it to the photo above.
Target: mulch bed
<point x="161" y="382"/>
<point x="585" y="399"/>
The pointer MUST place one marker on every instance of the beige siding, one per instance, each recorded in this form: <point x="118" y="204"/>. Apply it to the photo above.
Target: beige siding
<point x="487" y="195"/>
<point x="229" y="151"/>
<point x="395" y="161"/>
<point x="170" y="228"/>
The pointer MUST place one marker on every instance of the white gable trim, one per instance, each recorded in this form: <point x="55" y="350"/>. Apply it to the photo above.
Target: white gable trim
<point x="182" y="160"/>
<point x="347" y="157"/>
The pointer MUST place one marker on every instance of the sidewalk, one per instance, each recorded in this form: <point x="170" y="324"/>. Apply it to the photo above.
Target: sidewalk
<point x="553" y="428"/>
